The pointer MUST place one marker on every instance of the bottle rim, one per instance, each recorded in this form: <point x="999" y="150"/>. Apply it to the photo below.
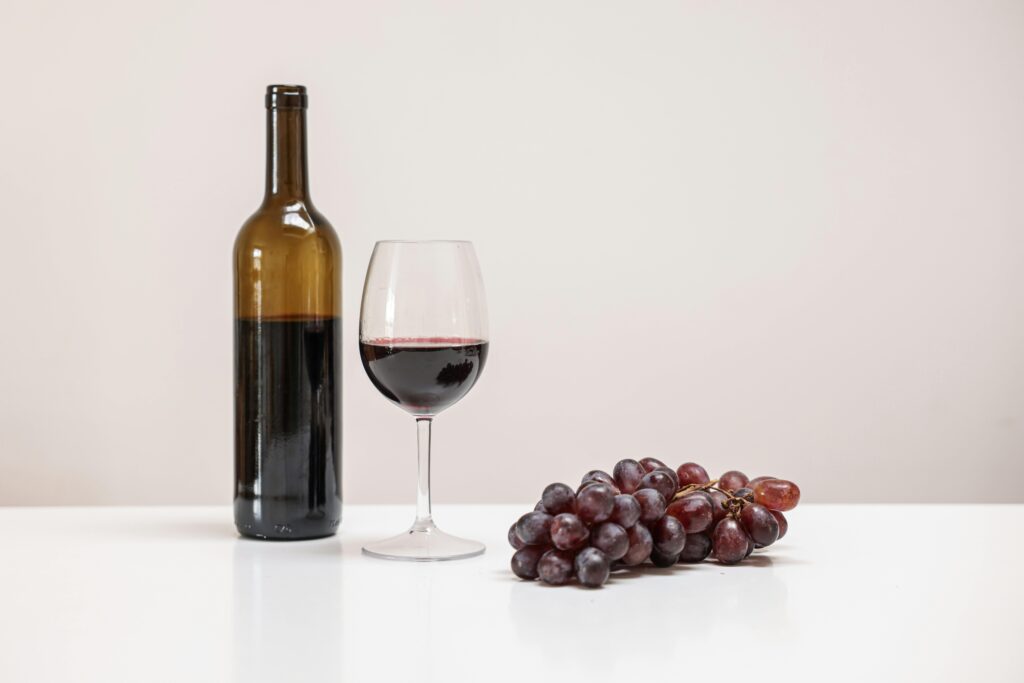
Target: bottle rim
<point x="286" y="97"/>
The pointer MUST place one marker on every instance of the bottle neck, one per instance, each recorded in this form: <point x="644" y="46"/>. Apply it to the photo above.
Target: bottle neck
<point x="287" y="171"/>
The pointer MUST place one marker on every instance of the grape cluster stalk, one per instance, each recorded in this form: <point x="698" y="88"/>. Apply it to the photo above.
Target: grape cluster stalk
<point x="644" y="511"/>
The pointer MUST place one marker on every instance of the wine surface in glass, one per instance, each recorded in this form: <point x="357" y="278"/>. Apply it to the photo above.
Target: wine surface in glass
<point x="424" y="375"/>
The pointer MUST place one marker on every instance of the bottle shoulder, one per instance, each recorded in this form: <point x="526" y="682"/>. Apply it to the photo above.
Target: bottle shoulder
<point x="292" y="224"/>
<point x="287" y="263"/>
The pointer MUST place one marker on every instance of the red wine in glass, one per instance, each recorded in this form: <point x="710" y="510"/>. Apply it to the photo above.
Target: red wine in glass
<point x="424" y="375"/>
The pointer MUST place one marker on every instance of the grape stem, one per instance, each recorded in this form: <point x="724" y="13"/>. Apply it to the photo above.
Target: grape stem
<point x="733" y="503"/>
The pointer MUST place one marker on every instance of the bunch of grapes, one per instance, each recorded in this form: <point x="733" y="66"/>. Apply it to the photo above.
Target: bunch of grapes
<point x="646" y="511"/>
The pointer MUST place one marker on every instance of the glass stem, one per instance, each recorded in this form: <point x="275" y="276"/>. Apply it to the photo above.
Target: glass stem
<point x="423" y="518"/>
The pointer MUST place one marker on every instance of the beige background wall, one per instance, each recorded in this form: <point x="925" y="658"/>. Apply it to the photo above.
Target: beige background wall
<point x="781" y="236"/>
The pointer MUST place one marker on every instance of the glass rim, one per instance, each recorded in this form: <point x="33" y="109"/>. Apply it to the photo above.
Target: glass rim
<point x="423" y="242"/>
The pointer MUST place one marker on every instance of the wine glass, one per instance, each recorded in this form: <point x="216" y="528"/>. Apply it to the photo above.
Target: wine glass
<point x="423" y="342"/>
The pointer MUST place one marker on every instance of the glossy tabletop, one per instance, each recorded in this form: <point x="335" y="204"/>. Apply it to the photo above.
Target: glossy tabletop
<point x="853" y="593"/>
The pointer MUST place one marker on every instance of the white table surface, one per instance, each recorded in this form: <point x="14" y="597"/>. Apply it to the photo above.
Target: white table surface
<point x="907" y="593"/>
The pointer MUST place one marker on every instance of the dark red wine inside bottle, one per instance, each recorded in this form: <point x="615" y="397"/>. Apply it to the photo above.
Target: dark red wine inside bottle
<point x="424" y="375"/>
<point x="287" y="346"/>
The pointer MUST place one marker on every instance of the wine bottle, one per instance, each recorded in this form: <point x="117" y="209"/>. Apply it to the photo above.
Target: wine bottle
<point x="287" y="346"/>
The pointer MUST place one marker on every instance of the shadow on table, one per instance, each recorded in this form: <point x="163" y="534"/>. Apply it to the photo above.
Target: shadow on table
<point x="674" y="606"/>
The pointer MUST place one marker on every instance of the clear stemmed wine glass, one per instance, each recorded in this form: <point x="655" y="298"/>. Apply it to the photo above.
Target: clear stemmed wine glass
<point x="423" y="342"/>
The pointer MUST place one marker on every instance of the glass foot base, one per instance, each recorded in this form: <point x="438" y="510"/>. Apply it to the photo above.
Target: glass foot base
<point x="424" y="543"/>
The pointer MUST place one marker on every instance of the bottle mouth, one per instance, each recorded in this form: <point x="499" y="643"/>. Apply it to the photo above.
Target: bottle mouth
<point x="286" y="97"/>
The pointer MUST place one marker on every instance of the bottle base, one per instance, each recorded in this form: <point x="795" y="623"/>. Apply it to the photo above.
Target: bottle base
<point x="294" y="531"/>
<point x="256" y="536"/>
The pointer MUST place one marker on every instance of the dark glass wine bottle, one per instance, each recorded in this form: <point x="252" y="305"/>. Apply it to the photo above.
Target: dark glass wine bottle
<point x="287" y="346"/>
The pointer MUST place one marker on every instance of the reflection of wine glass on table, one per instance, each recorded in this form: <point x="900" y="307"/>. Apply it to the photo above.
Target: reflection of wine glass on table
<point x="423" y="342"/>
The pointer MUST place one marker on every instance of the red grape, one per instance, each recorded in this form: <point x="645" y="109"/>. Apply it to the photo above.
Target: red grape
<point x="651" y="464"/>
<point x="592" y="567"/>
<point x="697" y="548"/>
<point x="659" y="559"/>
<point x="652" y="505"/>
<point x="626" y="512"/>
<point x="732" y="480"/>
<point x="694" y="511"/>
<point x="524" y="562"/>
<point x="777" y="494"/>
<point x="730" y="541"/>
<point x="534" y="528"/>
<point x="669" y="535"/>
<point x="783" y="522"/>
<point x="692" y="473"/>
<point x="555" y="567"/>
<point x="513" y="538"/>
<point x="759" y="524"/>
<point x="558" y="498"/>
<point x="568" y="531"/>
<point x="615" y="489"/>
<point x="598" y="475"/>
<point x="627" y="474"/>
<point x="640" y="544"/>
<point x="660" y="482"/>
<point x="718" y="501"/>
<point x="671" y="475"/>
<point x="757" y="480"/>
<point x="611" y="539"/>
<point x="595" y="503"/>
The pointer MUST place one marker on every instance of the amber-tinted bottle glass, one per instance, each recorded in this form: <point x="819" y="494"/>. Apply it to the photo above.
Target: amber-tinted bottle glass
<point x="287" y="346"/>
